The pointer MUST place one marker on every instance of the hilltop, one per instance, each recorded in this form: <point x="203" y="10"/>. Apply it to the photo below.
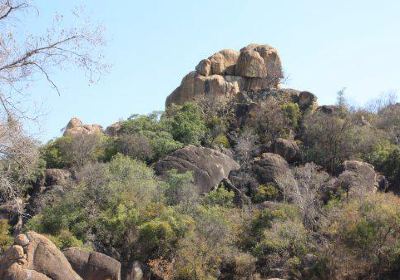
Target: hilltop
<point x="239" y="178"/>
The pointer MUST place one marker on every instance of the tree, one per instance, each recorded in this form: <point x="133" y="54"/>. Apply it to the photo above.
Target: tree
<point x="24" y="59"/>
<point x="302" y="189"/>
<point x="19" y="160"/>
<point x="330" y="139"/>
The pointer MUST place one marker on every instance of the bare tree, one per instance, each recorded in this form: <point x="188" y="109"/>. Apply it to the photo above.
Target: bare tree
<point x="25" y="58"/>
<point x="301" y="188"/>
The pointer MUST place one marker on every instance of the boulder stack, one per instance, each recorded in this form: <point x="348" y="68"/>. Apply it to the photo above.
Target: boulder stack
<point x="33" y="256"/>
<point x="227" y="72"/>
<point x="76" y="127"/>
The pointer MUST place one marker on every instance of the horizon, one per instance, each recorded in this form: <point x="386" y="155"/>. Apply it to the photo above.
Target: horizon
<point x="323" y="48"/>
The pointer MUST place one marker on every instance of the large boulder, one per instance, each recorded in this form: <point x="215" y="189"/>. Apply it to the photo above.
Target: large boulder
<point x="77" y="127"/>
<point x="195" y="85"/>
<point x="35" y="257"/>
<point x="307" y="100"/>
<point x="93" y="265"/>
<point x="209" y="166"/>
<point x="225" y="73"/>
<point x="357" y="178"/>
<point x="250" y="64"/>
<point x="288" y="149"/>
<point x="269" y="167"/>
<point x="224" y="62"/>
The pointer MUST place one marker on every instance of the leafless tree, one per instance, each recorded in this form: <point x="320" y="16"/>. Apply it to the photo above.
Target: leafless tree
<point x="19" y="159"/>
<point x="301" y="188"/>
<point x="25" y="58"/>
<point x="384" y="100"/>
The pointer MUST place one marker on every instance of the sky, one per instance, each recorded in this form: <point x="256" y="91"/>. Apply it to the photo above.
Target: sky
<point x="324" y="46"/>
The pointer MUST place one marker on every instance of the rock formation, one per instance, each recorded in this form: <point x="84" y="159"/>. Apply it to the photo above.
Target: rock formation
<point x="209" y="166"/>
<point x="262" y="170"/>
<point x="48" y="189"/>
<point x="228" y="72"/>
<point x="113" y="129"/>
<point x="34" y="257"/>
<point x="288" y="149"/>
<point x="77" y="127"/>
<point x="357" y="178"/>
<point x="93" y="265"/>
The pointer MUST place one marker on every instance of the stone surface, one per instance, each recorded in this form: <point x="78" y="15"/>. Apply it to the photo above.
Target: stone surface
<point x="251" y="65"/>
<point x="228" y="72"/>
<point x="39" y="259"/>
<point x="262" y="170"/>
<point x="76" y="127"/>
<point x="288" y="149"/>
<point x="204" y="67"/>
<point x="224" y="62"/>
<point x="113" y="129"/>
<point x="269" y="167"/>
<point x="93" y="265"/>
<point x="21" y="240"/>
<point x="307" y="100"/>
<point x="209" y="166"/>
<point x="357" y="178"/>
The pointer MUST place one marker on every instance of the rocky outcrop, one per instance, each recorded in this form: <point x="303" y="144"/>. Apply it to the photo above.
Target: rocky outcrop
<point x="248" y="104"/>
<point x="93" y="265"/>
<point x="251" y="65"/>
<point x="209" y="166"/>
<point x="32" y="256"/>
<point x="77" y="127"/>
<point x="288" y="149"/>
<point x="357" y="178"/>
<point x="225" y="73"/>
<point x="48" y="189"/>
<point x="269" y="168"/>
<point x="113" y="130"/>
<point x="307" y="100"/>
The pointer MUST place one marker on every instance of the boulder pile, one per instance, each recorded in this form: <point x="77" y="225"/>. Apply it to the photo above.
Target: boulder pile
<point x="34" y="257"/>
<point x="228" y="72"/>
<point x="77" y="127"/>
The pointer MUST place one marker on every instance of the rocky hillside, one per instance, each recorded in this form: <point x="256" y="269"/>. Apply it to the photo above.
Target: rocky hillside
<point x="239" y="178"/>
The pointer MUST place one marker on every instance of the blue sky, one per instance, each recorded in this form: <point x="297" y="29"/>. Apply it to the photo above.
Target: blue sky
<point x="324" y="45"/>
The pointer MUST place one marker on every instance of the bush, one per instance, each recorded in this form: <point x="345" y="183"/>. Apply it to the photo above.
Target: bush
<point x="5" y="237"/>
<point x="221" y="140"/>
<point x="266" y="192"/>
<point x="292" y="112"/>
<point x="187" y="125"/>
<point x="220" y="197"/>
<point x="365" y="234"/>
<point x="66" y="239"/>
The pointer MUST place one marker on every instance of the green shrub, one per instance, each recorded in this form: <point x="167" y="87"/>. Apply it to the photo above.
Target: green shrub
<point x="266" y="192"/>
<point x="5" y="237"/>
<point x="187" y="124"/>
<point x="221" y="140"/>
<point x="219" y="197"/>
<point x="65" y="239"/>
<point x="292" y="112"/>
